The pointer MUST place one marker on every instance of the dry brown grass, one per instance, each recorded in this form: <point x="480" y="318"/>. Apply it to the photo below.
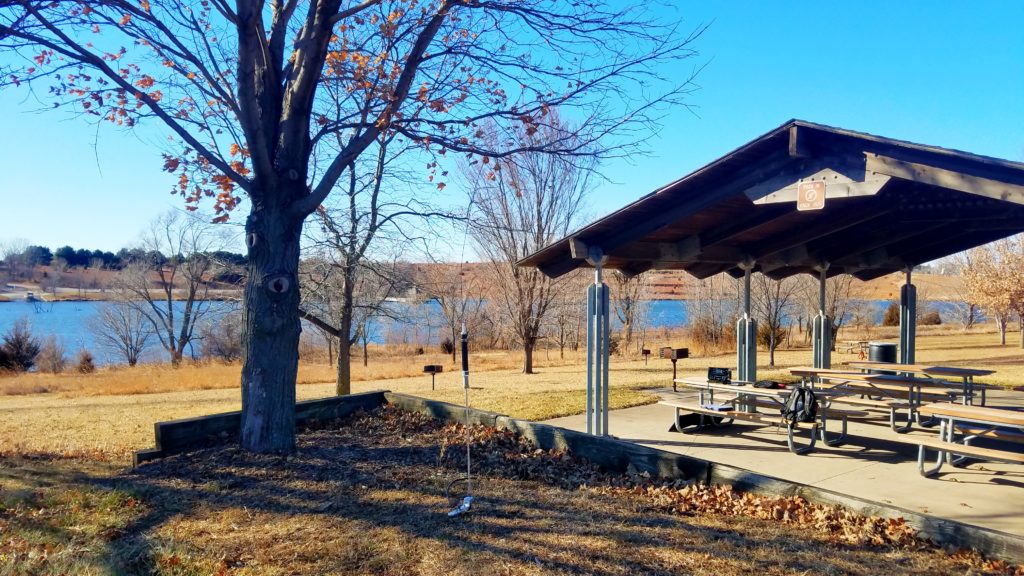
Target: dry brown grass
<point x="158" y="378"/>
<point x="367" y="497"/>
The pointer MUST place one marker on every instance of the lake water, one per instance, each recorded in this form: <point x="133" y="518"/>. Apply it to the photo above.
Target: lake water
<point x="69" y="322"/>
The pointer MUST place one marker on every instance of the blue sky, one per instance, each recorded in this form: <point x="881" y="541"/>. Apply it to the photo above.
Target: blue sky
<point x="940" y="73"/>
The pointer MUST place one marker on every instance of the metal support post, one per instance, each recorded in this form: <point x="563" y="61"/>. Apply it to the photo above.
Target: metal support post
<point x="821" y="325"/>
<point x="908" y="320"/>
<point x="746" y="335"/>
<point x="597" y="349"/>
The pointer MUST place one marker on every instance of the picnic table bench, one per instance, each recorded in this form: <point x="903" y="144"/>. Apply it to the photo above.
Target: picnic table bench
<point x="749" y="399"/>
<point x="975" y="422"/>
<point x="938" y="374"/>
<point x="881" y="391"/>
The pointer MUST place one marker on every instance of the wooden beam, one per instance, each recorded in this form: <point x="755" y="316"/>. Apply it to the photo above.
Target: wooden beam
<point x="578" y="249"/>
<point x="943" y="178"/>
<point x="697" y="200"/>
<point x="821" y="228"/>
<point x="560" y="267"/>
<point x="798" y="145"/>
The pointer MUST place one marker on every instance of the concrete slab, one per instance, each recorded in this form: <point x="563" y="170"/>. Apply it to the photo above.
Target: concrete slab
<point x="873" y="465"/>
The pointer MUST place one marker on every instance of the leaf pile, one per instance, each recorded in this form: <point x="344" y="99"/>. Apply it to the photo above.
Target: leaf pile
<point x="503" y="453"/>
<point x="838" y="524"/>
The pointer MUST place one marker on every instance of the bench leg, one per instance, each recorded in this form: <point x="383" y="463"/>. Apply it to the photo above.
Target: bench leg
<point x="900" y="429"/>
<point x="960" y="461"/>
<point x="921" y="456"/>
<point x="931" y="422"/>
<point x="839" y="439"/>
<point x="791" y="442"/>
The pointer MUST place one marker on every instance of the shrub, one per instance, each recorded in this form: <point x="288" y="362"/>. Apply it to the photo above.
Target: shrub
<point x="20" y="347"/>
<point x="712" y="335"/>
<point x="84" y="363"/>
<point x="763" y="335"/>
<point x="892" y="315"/>
<point x="223" y="339"/>
<point x="930" y="319"/>
<point x="447" y="346"/>
<point x="51" y="357"/>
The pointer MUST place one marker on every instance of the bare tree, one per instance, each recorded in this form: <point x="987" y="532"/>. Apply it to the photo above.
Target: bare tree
<point x="173" y="294"/>
<point x="240" y="90"/>
<point x="838" y="300"/>
<point x="12" y="253"/>
<point x="526" y="202"/>
<point x="342" y="301"/>
<point x="457" y="296"/>
<point x="773" y="301"/>
<point x="122" y="330"/>
<point x="629" y="295"/>
<point x="711" y="311"/>
<point x="568" y="312"/>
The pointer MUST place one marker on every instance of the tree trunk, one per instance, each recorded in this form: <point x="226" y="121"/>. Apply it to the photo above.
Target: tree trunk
<point x="1020" y="326"/>
<point x="343" y="385"/>
<point x="271" y="330"/>
<point x="1001" y="324"/>
<point x="528" y="344"/>
<point x="366" y="349"/>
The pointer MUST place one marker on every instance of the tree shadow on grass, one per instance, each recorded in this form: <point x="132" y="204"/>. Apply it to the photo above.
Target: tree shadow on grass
<point x="368" y="485"/>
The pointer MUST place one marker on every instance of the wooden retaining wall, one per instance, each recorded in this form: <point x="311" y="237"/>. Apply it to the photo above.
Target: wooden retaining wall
<point x="177" y="436"/>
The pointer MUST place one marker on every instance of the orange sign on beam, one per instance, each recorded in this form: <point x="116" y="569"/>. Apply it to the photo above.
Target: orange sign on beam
<point x="810" y="195"/>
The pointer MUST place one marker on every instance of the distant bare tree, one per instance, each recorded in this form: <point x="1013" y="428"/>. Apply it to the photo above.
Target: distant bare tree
<point x="174" y="295"/>
<point x="629" y="298"/>
<point x="711" y="312"/>
<point x="773" y="301"/>
<point x="458" y="299"/>
<point x="838" y="301"/>
<point x="523" y="203"/>
<point x="341" y="301"/>
<point x="121" y="329"/>
<point x="12" y="253"/>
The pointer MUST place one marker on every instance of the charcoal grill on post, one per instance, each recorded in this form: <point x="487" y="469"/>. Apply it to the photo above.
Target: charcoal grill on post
<point x="645" y="353"/>
<point x="433" y="370"/>
<point x="674" y="354"/>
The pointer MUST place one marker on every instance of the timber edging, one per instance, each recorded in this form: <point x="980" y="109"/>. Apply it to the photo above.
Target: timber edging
<point x="176" y="436"/>
<point x="618" y="455"/>
<point x="608" y="452"/>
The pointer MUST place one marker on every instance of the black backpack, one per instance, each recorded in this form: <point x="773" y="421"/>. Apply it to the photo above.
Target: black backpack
<point x="801" y="406"/>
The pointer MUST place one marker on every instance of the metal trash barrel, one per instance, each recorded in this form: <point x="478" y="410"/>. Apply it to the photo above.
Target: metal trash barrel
<point x="881" y="352"/>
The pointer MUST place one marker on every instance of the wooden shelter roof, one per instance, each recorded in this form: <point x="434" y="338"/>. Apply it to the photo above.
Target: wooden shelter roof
<point x="889" y="205"/>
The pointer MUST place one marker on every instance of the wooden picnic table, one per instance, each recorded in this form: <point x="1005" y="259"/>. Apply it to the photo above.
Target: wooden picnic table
<point x="746" y="397"/>
<point x="983" y="421"/>
<point x="964" y="374"/>
<point x="911" y="393"/>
